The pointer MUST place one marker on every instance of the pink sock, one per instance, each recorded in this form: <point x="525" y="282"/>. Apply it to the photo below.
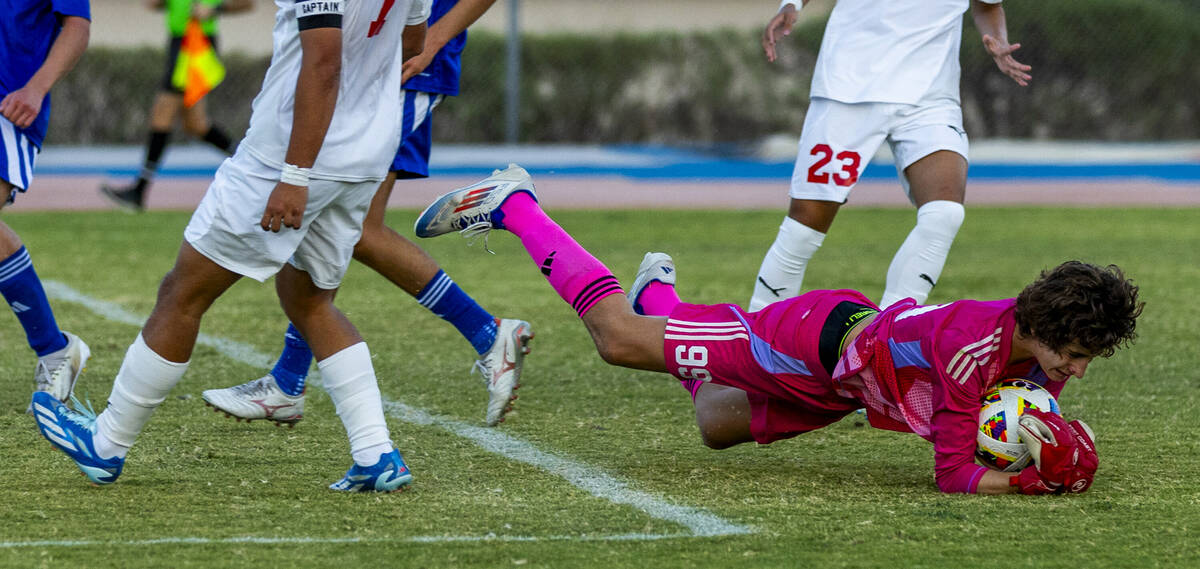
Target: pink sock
<point x="692" y="385"/>
<point x="657" y="299"/>
<point x="577" y="276"/>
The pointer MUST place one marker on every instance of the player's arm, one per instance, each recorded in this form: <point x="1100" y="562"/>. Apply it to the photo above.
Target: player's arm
<point x="412" y="42"/>
<point x="781" y="25"/>
<point x="22" y="106"/>
<point x="989" y="20"/>
<point x="953" y="429"/>
<point x="1065" y="459"/>
<point x="316" y="96"/>
<point x="458" y="19"/>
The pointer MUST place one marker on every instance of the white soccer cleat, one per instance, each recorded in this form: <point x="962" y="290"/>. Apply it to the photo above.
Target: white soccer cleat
<point x="469" y="210"/>
<point x="501" y="366"/>
<point x="258" y="399"/>
<point x="655" y="267"/>
<point x="57" y="372"/>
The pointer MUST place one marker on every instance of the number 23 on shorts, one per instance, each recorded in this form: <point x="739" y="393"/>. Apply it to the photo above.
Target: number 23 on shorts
<point x="849" y="161"/>
<point x="691" y="360"/>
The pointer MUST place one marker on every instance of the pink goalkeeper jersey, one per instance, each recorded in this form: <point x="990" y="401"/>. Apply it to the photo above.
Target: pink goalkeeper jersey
<point x="924" y="369"/>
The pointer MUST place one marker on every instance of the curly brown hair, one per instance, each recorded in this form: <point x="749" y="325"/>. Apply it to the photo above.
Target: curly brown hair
<point x="1097" y="307"/>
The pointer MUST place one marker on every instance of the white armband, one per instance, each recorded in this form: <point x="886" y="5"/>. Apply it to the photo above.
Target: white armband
<point x="294" y="175"/>
<point x="799" y="4"/>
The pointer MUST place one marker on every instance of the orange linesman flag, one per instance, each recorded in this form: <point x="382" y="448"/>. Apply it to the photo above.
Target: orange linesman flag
<point x="197" y="70"/>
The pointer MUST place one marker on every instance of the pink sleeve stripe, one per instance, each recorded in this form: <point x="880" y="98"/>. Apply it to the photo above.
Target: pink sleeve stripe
<point x="973" y="485"/>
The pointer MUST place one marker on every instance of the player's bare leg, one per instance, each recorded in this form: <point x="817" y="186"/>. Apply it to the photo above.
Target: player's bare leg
<point x="311" y="309"/>
<point x="937" y="185"/>
<point x="165" y="110"/>
<point x="387" y="252"/>
<point x="815" y="214"/>
<point x="194" y="119"/>
<point x="152" y="366"/>
<point x="184" y="295"/>
<point x="62" y="356"/>
<point x="349" y="378"/>
<point x="624" y="338"/>
<point x="506" y="201"/>
<point x="800" y="235"/>
<point x="501" y="343"/>
<point x="10" y="242"/>
<point x="723" y="415"/>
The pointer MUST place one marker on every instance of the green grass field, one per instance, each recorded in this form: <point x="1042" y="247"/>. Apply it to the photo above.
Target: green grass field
<point x="599" y="466"/>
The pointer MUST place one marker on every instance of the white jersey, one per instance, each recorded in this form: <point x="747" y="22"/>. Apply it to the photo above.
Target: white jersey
<point x="365" y="129"/>
<point x="899" y="51"/>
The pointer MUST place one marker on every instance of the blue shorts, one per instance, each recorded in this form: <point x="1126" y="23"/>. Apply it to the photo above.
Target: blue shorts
<point x="17" y="156"/>
<point x="412" y="158"/>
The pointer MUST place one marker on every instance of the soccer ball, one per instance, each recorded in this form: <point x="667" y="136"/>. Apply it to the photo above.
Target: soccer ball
<point x="999" y="444"/>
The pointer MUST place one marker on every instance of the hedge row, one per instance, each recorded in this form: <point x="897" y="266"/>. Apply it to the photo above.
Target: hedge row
<point x="1103" y="70"/>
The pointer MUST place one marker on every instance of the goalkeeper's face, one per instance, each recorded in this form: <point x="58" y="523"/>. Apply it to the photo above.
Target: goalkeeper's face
<point x="1071" y="361"/>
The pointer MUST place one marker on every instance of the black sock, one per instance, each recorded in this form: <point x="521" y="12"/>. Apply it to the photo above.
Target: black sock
<point x="217" y="137"/>
<point x="154" y="152"/>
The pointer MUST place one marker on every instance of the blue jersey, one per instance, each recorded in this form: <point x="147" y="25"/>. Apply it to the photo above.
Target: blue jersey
<point x="442" y="74"/>
<point x="27" y="30"/>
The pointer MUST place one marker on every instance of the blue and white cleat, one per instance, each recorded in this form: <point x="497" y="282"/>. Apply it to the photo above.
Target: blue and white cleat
<point x="469" y="210"/>
<point x="655" y="267"/>
<point x="71" y="432"/>
<point x="388" y="475"/>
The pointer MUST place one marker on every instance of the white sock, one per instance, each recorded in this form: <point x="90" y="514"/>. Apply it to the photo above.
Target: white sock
<point x="141" y="386"/>
<point x="918" y="264"/>
<point x="350" y="380"/>
<point x="783" y="266"/>
<point x="371" y="455"/>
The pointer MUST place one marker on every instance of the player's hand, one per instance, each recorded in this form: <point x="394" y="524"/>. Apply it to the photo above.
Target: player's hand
<point x="1031" y="482"/>
<point x="779" y="26"/>
<point x="1001" y="52"/>
<point x="1064" y="454"/>
<point x="285" y="207"/>
<point x="416" y="64"/>
<point x="22" y="106"/>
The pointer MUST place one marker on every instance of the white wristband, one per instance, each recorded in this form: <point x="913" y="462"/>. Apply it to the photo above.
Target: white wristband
<point x="294" y="175"/>
<point x="799" y="4"/>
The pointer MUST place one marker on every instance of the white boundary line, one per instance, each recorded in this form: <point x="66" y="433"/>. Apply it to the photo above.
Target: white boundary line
<point x="336" y="540"/>
<point x="698" y="522"/>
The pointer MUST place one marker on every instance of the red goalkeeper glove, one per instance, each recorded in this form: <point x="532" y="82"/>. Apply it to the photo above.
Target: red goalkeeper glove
<point x="1064" y="454"/>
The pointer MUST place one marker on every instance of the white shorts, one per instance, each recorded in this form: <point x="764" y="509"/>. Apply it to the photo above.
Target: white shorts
<point x="225" y="227"/>
<point x="839" y="139"/>
<point x="17" y="157"/>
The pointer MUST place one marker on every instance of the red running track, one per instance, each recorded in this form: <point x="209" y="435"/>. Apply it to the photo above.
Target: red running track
<point x="56" y="193"/>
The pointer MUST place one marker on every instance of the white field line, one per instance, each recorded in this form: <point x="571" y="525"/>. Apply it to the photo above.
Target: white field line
<point x="699" y="523"/>
<point x="337" y="540"/>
